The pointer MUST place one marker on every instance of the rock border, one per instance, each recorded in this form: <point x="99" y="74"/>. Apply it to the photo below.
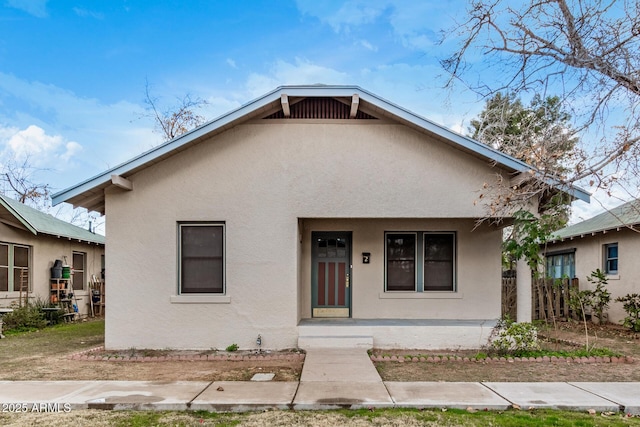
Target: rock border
<point x="544" y="359"/>
<point x="87" y="355"/>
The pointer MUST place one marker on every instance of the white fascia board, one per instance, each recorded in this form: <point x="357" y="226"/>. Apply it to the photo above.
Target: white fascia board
<point x="162" y="149"/>
<point x="300" y="91"/>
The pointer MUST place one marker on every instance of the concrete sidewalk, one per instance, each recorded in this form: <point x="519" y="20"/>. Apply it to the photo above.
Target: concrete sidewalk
<point x="331" y="378"/>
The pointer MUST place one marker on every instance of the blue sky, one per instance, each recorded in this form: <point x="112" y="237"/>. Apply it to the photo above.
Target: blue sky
<point x="73" y="73"/>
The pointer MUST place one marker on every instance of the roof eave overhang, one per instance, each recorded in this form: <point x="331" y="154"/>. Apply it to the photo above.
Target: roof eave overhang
<point x="23" y="221"/>
<point x="90" y="193"/>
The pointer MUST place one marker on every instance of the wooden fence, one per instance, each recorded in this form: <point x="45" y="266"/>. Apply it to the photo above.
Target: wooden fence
<point x="509" y="298"/>
<point x="549" y="298"/>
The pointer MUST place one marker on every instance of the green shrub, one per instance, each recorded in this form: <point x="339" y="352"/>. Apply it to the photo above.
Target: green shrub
<point x="631" y="304"/>
<point x="579" y="301"/>
<point x="26" y="318"/>
<point x="513" y="338"/>
<point x="232" y="347"/>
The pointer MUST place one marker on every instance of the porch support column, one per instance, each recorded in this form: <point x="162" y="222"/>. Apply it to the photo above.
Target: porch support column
<point x="523" y="291"/>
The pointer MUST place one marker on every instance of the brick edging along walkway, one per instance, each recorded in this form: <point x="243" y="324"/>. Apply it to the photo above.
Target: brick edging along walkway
<point x="545" y="359"/>
<point x="87" y="355"/>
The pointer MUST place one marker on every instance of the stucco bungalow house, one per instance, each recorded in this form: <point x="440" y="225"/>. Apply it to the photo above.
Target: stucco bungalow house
<point x="609" y="242"/>
<point x="311" y="216"/>
<point x="32" y="241"/>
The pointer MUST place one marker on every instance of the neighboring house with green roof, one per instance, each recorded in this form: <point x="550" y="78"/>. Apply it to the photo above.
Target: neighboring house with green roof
<point x="609" y="242"/>
<point x="33" y="240"/>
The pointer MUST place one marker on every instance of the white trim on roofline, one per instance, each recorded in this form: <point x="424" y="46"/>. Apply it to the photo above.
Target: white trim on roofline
<point x="227" y="119"/>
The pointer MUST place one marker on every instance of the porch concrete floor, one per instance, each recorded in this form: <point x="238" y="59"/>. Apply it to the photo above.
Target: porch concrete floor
<point x="394" y="322"/>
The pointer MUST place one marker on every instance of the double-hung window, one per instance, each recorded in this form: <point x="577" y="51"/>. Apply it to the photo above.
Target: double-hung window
<point x="439" y="262"/>
<point x="611" y="258"/>
<point x="201" y="258"/>
<point x="420" y="261"/>
<point x="78" y="270"/>
<point x="401" y="261"/>
<point x="14" y="260"/>
<point x="561" y="265"/>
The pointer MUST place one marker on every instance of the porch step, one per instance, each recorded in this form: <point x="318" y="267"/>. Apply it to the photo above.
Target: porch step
<point x="335" y="341"/>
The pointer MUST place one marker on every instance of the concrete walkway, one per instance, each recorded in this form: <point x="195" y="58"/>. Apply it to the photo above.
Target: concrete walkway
<point x="331" y="378"/>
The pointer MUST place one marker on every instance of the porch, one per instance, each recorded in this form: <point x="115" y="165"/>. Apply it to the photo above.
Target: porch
<point x="426" y="334"/>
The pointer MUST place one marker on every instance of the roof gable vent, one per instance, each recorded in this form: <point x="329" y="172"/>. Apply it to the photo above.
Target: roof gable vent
<point x="320" y="108"/>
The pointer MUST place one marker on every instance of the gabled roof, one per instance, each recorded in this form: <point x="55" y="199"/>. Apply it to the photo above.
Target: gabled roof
<point x="626" y="215"/>
<point x="21" y="216"/>
<point x="280" y="103"/>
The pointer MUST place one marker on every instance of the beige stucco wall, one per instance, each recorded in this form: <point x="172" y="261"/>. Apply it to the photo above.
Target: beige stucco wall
<point x="44" y="251"/>
<point x="589" y="256"/>
<point x="260" y="179"/>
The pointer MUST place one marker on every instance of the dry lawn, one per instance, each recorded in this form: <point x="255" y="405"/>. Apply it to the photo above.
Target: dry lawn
<point x="43" y="355"/>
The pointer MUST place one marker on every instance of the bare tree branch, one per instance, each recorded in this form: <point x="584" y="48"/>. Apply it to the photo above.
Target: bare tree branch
<point x="587" y="51"/>
<point x="17" y="182"/>
<point x="177" y="119"/>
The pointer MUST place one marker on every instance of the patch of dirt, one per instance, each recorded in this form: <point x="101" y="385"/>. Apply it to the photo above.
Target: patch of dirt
<point x="45" y="355"/>
<point x="610" y="336"/>
<point x="63" y="368"/>
<point x="56" y="368"/>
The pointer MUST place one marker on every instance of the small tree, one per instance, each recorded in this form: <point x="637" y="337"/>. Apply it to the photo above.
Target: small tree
<point x="539" y="134"/>
<point x="527" y="235"/>
<point x="600" y="296"/>
<point x="579" y="301"/>
<point x="631" y="304"/>
<point x="588" y="52"/>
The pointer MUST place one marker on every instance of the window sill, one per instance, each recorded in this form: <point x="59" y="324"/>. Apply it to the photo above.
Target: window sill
<point x="200" y="299"/>
<point x="421" y="295"/>
<point x="613" y="277"/>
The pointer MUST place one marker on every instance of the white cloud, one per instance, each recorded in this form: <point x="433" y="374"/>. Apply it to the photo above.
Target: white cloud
<point x="341" y="15"/>
<point x="108" y="133"/>
<point x="33" y="144"/>
<point x="231" y="63"/>
<point x="285" y="73"/>
<point x="412" y="23"/>
<point x="367" y="45"/>
<point x="6" y="132"/>
<point x="37" y="8"/>
<point x="601" y="200"/>
<point x="72" y="150"/>
<point x="32" y="140"/>
<point x="85" y="13"/>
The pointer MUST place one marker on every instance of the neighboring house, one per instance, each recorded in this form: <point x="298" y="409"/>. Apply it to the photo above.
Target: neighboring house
<point x="33" y="240"/>
<point x="311" y="216"/>
<point x="609" y="242"/>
